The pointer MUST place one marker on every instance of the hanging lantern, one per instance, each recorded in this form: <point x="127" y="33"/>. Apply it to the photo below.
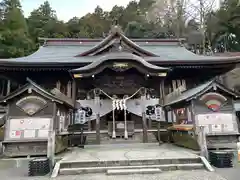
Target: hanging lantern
<point x="150" y="110"/>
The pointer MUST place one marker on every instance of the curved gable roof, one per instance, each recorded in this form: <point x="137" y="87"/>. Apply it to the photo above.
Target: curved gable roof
<point x="120" y="57"/>
<point x="116" y="34"/>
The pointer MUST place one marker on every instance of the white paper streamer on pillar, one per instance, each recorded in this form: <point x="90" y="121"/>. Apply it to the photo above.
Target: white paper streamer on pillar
<point x="114" y="104"/>
<point x="120" y="104"/>
<point x="124" y="104"/>
<point x="117" y="104"/>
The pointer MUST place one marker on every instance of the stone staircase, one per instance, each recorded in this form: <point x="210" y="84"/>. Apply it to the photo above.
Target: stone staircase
<point x="106" y="139"/>
<point x="130" y="166"/>
<point x="116" y="159"/>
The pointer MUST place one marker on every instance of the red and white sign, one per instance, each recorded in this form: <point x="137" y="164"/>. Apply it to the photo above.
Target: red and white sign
<point x="15" y="134"/>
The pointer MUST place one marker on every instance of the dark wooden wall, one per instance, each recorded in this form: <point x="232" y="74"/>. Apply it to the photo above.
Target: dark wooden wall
<point x="15" y="111"/>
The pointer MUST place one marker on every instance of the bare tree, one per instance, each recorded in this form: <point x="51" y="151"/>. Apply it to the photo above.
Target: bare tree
<point x="199" y="10"/>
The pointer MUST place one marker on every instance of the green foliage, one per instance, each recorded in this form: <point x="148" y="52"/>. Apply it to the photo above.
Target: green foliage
<point x="223" y="26"/>
<point x="19" y="36"/>
<point x="15" y="40"/>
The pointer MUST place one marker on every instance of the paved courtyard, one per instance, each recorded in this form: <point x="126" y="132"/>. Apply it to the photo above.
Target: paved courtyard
<point x="20" y="174"/>
<point x="128" y="152"/>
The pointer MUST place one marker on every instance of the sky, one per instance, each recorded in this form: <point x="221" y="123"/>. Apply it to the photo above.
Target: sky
<point x="66" y="9"/>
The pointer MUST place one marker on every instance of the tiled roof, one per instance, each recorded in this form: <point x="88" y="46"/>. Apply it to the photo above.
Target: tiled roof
<point x="190" y="93"/>
<point x="119" y="56"/>
<point x="66" y="54"/>
<point x="199" y="90"/>
<point x="69" y="51"/>
<point x="39" y="89"/>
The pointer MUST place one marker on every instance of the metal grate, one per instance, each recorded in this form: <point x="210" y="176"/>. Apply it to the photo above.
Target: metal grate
<point x="221" y="159"/>
<point x="39" y="167"/>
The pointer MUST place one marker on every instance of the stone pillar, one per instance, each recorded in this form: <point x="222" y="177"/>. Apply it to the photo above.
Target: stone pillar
<point x="97" y="103"/>
<point x="143" y="99"/>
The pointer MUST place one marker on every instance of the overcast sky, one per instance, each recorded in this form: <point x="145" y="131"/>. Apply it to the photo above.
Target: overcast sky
<point x="67" y="9"/>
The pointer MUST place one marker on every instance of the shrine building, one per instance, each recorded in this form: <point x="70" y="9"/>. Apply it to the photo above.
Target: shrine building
<point x="118" y="79"/>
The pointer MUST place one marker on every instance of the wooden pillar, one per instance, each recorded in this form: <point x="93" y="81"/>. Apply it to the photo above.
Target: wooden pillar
<point x="149" y="123"/>
<point x="199" y="132"/>
<point x="98" y="138"/>
<point x="162" y="91"/>
<point x="192" y="112"/>
<point x="69" y="89"/>
<point x="8" y="87"/>
<point x="89" y="126"/>
<point x="125" y="124"/>
<point x="202" y="141"/>
<point x="113" y="124"/>
<point x="58" y="85"/>
<point x="51" y="138"/>
<point x="74" y="90"/>
<point x="143" y="98"/>
<point x="97" y="102"/>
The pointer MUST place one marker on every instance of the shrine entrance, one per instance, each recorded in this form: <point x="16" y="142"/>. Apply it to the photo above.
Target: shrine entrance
<point x="116" y="122"/>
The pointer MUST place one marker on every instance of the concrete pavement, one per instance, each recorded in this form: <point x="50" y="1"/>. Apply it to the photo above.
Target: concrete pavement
<point x="21" y="174"/>
<point x="229" y="173"/>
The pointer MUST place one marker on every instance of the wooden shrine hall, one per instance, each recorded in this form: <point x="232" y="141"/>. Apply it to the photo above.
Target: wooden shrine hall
<point x="116" y="77"/>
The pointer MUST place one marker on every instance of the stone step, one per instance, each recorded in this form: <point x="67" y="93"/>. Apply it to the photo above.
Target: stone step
<point x="133" y="171"/>
<point x="163" y="167"/>
<point x="128" y="162"/>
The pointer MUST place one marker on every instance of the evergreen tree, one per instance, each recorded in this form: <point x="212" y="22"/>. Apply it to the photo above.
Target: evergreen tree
<point x="15" y="40"/>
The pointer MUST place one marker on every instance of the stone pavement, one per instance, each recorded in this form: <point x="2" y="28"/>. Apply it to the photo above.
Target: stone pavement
<point x="229" y="173"/>
<point x="18" y="174"/>
<point x="128" y="152"/>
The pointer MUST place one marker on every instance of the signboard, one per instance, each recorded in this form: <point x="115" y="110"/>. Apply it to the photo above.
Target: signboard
<point x="80" y="117"/>
<point x="217" y="122"/>
<point x="29" y="128"/>
<point x="120" y="125"/>
<point x="158" y="113"/>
